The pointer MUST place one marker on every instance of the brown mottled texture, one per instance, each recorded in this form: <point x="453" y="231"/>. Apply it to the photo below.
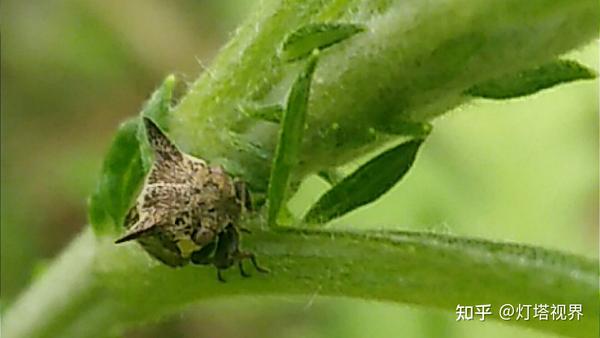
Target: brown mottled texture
<point x="187" y="208"/>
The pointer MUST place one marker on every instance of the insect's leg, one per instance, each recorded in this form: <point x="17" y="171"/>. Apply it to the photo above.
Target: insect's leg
<point x="241" y="255"/>
<point x="226" y="244"/>
<point x="245" y="230"/>
<point x="220" y="277"/>
<point x="243" y="195"/>
<point x="238" y="255"/>
<point x="204" y="255"/>
<point x="228" y="252"/>
<point x="242" y="271"/>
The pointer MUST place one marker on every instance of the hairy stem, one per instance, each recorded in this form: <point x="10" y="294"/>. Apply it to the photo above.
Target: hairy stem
<point x="127" y="286"/>
<point x="412" y="62"/>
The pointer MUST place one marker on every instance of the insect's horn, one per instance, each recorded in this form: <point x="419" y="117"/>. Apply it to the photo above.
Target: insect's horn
<point x="129" y="236"/>
<point x="159" y="142"/>
<point x="136" y="231"/>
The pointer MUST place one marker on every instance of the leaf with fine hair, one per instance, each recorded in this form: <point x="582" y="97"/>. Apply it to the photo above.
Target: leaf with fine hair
<point x="270" y="113"/>
<point x="121" y="175"/>
<point x="127" y="162"/>
<point x="532" y="80"/>
<point x="366" y="184"/>
<point x="303" y="41"/>
<point x="290" y="139"/>
<point x="407" y="128"/>
<point x="156" y="108"/>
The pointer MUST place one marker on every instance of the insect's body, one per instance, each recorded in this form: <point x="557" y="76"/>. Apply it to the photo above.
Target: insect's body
<point x="186" y="215"/>
<point x="186" y="208"/>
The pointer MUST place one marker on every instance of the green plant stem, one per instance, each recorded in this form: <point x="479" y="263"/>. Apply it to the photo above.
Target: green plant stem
<point x="126" y="286"/>
<point x="413" y="62"/>
<point x="55" y="302"/>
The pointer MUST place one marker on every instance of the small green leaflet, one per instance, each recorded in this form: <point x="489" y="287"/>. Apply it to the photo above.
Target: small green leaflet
<point x="407" y="128"/>
<point x="331" y="176"/>
<point x="271" y="113"/>
<point x="126" y="164"/>
<point x="157" y="108"/>
<point x="122" y="173"/>
<point x="290" y="139"/>
<point x="366" y="184"/>
<point x="532" y="80"/>
<point x="303" y="41"/>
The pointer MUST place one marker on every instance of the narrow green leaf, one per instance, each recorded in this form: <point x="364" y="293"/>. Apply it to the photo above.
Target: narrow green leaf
<point x="303" y="41"/>
<point x="271" y="113"/>
<point x="127" y="162"/>
<point x="248" y="146"/>
<point x="290" y="139"/>
<point x="158" y="105"/>
<point x="157" y="108"/>
<point x="331" y="176"/>
<point x="366" y="184"/>
<point x="122" y="173"/>
<point x="407" y="128"/>
<point x="532" y="80"/>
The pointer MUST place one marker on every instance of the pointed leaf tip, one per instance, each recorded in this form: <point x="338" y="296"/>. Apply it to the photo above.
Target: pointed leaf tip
<point x="302" y="42"/>
<point x="127" y="161"/>
<point x="366" y="184"/>
<point x="121" y="175"/>
<point x="290" y="139"/>
<point x="532" y="80"/>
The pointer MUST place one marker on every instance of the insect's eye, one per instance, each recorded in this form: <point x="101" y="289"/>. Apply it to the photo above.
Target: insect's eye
<point x="211" y="209"/>
<point x="179" y="221"/>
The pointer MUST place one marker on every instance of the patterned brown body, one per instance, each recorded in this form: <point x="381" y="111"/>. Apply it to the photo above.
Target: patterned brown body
<point x="187" y="210"/>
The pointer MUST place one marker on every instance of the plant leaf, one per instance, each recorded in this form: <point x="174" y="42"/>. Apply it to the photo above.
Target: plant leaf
<point x="303" y="41"/>
<point x="332" y="176"/>
<point x="407" y="128"/>
<point x="366" y="184"/>
<point x="290" y="139"/>
<point x="121" y="176"/>
<point x="157" y="108"/>
<point x="271" y="113"/>
<point x="127" y="162"/>
<point x="532" y="80"/>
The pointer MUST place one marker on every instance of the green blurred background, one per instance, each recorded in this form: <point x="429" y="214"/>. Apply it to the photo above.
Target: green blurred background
<point x="523" y="170"/>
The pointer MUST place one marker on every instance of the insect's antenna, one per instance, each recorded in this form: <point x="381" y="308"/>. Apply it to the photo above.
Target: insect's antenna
<point x="137" y="230"/>
<point x="162" y="146"/>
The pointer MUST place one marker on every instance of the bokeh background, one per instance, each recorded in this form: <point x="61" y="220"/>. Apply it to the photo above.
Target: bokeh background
<point x="523" y="170"/>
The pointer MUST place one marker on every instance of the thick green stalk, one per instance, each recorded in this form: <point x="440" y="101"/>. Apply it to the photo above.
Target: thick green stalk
<point x="126" y="286"/>
<point x="413" y="62"/>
